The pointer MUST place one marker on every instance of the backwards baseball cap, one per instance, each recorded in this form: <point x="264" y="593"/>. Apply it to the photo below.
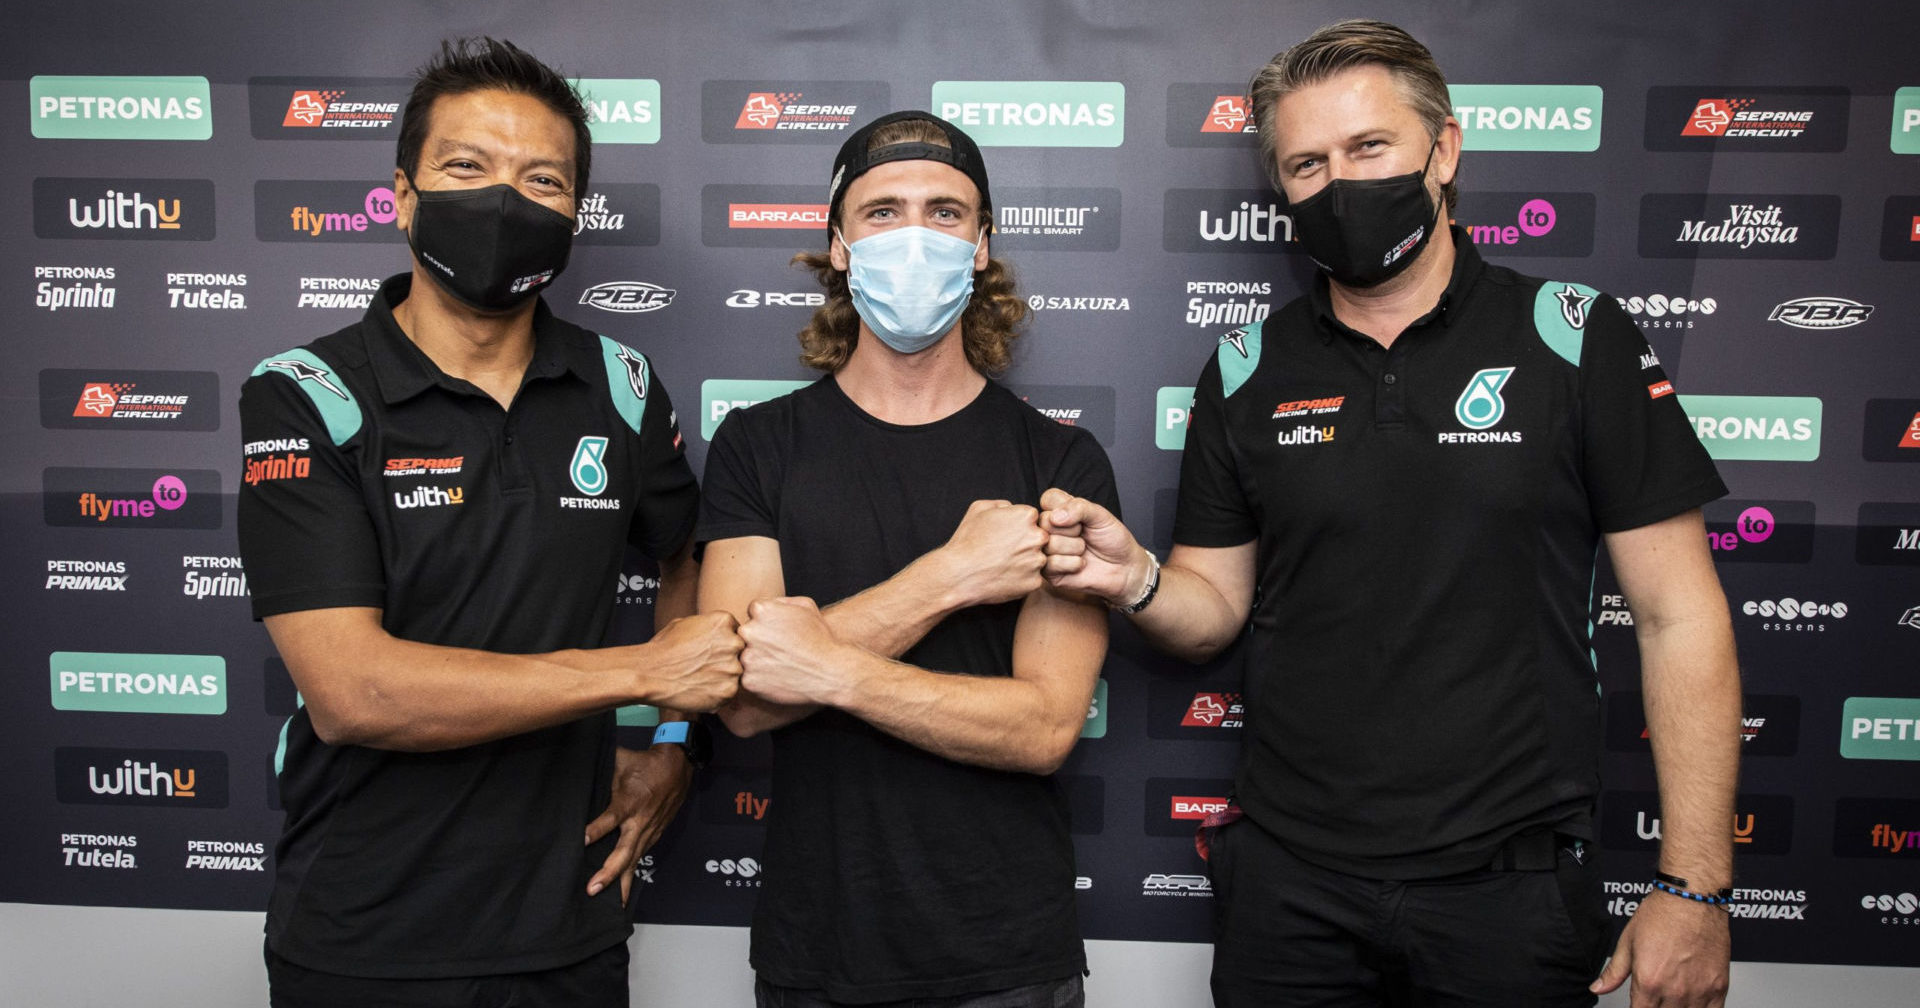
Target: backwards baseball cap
<point x="855" y="160"/>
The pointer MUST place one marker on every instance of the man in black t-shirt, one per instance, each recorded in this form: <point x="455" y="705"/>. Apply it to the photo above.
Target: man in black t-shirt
<point x="434" y="510"/>
<point x="876" y="534"/>
<point x="1402" y="478"/>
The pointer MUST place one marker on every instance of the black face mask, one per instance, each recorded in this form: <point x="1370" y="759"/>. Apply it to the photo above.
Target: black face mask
<point x="490" y="248"/>
<point x="1366" y="231"/>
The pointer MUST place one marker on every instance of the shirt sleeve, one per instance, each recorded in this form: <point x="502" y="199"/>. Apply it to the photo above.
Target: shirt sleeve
<point x="669" y="497"/>
<point x="1085" y="471"/>
<point x="305" y="536"/>
<point x="1213" y="509"/>
<point x="1643" y="462"/>
<point x="738" y="501"/>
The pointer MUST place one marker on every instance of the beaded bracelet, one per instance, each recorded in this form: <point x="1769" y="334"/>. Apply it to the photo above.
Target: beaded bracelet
<point x="1675" y="886"/>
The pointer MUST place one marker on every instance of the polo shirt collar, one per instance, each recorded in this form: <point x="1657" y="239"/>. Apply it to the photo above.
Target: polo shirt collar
<point x="403" y="371"/>
<point x="1467" y="266"/>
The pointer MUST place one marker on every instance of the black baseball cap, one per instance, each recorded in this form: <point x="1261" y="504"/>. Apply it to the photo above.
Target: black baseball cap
<point x="855" y="160"/>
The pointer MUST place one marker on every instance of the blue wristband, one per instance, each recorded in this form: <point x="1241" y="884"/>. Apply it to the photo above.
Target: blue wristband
<point x="672" y="731"/>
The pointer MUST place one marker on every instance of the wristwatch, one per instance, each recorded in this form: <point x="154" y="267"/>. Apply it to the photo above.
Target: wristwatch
<point x="692" y="736"/>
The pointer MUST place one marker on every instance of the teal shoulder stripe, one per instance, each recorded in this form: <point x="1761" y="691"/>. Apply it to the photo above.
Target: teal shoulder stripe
<point x="627" y="374"/>
<point x="317" y="379"/>
<point x="1560" y="317"/>
<point x="1239" y="354"/>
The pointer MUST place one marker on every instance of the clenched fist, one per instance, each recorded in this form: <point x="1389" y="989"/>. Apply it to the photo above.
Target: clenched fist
<point x="790" y="656"/>
<point x="996" y="553"/>
<point x="696" y="664"/>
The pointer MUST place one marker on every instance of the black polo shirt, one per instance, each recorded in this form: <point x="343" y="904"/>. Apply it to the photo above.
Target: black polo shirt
<point x="372" y="478"/>
<point x="1419" y="680"/>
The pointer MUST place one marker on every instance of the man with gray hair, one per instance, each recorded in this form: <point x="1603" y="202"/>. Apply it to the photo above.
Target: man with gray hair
<point x="1402" y="478"/>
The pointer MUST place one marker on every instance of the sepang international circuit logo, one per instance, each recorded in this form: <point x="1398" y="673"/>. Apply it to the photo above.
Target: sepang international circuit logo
<point x="1210" y="115"/>
<point x="806" y="112"/>
<point x="325" y="108"/>
<point x="75" y="399"/>
<point x="1747" y="119"/>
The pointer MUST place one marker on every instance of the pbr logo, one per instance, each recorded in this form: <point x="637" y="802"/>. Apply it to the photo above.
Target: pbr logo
<point x="627" y="296"/>
<point x="1820" y="313"/>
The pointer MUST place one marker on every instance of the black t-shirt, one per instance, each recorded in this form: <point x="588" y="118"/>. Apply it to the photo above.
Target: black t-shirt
<point x="1419" y="680"/>
<point x="374" y="479"/>
<point x="891" y="872"/>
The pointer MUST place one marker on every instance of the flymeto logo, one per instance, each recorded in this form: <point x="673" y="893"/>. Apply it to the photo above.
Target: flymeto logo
<point x="1538" y="224"/>
<point x="621" y="110"/>
<point x="723" y="395"/>
<point x="1762" y="428"/>
<point x="121" y="108"/>
<point x="1172" y="408"/>
<point x="138" y="683"/>
<point x="324" y="211"/>
<point x="1528" y="117"/>
<point x="131" y="498"/>
<point x="150" y="209"/>
<point x="1035" y="113"/>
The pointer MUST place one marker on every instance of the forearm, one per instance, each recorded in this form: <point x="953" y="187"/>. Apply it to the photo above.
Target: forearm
<point x="1692" y="696"/>
<point x="363" y="686"/>
<point x="999" y="722"/>
<point x="894" y="615"/>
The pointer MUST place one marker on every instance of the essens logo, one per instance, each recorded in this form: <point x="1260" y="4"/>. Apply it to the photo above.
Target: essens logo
<point x="1820" y="313"/>
<point x="1794" y="615"/>
<point x="329" y="110"/>
<point x="1896" y="908"/>
<point x="1652" y="310"/>
<point x="738" y="873"/>
<point x="627" y="296"/>
<point x="1035" y="113"/>
<point x="121" y="108"/>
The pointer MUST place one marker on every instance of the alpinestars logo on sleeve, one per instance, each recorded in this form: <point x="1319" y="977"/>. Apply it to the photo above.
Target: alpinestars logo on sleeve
<point x="303" y="371"/>
<point x="1573" y="306"/>
<point x="636" y="372"/>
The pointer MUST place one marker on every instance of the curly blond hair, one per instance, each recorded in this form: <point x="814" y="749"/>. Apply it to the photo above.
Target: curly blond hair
<point x="989" y="326"/>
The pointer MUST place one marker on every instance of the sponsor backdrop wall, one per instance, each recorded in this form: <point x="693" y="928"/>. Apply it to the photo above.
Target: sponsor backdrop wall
<point x="192" y="191"/>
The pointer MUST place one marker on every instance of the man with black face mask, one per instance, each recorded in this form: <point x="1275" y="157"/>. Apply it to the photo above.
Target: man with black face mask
<point x="876" y="534"/>
<point x="1402" y="479"/>
<point x="436" y="505"/>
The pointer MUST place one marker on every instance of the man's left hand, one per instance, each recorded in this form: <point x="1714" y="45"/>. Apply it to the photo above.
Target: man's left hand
<point x="1676" y="950"/>
<point x="648" y="787"/>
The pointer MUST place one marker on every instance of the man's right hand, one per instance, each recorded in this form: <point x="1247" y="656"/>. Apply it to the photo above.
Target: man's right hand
<point x="996" y="553"/>
<point x="696" y="662"/>
<point x="1089" y="550"/>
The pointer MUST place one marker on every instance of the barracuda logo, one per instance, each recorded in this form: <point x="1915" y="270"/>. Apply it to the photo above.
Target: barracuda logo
<point x="1035" y="113"/>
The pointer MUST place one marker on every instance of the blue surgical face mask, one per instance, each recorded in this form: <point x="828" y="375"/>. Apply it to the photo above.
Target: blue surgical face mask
<point x="910" y="284"/>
